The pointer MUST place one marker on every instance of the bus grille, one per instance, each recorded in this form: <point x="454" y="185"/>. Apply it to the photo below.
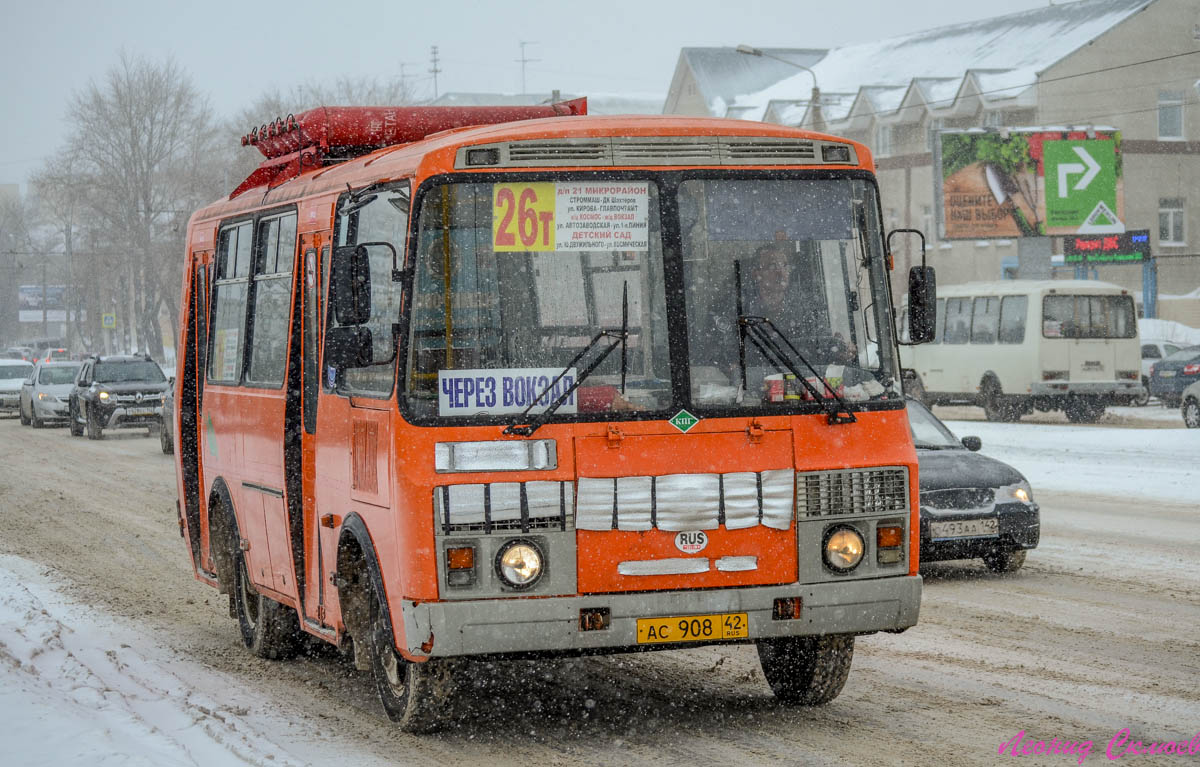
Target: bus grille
<point x="852" y="491"/>
<point x="643" y="151"/>
<point x="682" y="502"/>
<point x="499" y="507"/>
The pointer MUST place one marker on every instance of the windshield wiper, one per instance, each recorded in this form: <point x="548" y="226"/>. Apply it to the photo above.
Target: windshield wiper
<point x="755" y="328"/>
<point x="617" y="337"/>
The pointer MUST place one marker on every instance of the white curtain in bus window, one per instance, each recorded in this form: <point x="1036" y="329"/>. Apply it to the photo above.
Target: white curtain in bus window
<point x="985" y="321"/>
<point x="272" y="300"/>
<point x="958" y="320"/>
<point x="234" y="250"/>
<point x="1012" y="319"/>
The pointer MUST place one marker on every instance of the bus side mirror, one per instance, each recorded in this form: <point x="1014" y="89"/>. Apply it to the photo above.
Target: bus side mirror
<point x="350" y="285"/>
<point x="348" y="346"/>
<point x="922" y="304"/>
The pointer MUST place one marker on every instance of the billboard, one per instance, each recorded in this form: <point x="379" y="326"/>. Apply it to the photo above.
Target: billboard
<point x="38" y="300"/>
<point x="1029" y="183"/>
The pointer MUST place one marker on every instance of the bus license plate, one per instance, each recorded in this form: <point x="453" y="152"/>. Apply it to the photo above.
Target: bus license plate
<point x="693" y="628"/>
<point x="140" y="411"/>
<point x="966" y="528"/>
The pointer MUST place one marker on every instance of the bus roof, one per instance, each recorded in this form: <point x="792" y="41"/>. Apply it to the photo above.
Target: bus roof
<point x="757" y="145"/>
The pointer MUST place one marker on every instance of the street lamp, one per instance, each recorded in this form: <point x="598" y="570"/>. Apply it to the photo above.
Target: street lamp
<point x="818" y="120"/>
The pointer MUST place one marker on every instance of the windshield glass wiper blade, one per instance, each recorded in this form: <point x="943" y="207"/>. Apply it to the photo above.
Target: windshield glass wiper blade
<point x="756" y="329"/>
<point x="618" y="337"/>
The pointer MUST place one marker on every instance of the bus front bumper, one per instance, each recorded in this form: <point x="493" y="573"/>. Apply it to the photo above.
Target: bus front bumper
<point x="500" y="626"/>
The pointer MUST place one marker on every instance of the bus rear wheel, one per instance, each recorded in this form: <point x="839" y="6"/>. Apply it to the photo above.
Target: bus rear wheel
<point x="1084" y="409"/>
<point x="269" y="629"/>
<point x="806" y="671"/>
<point x="413" y="694"/>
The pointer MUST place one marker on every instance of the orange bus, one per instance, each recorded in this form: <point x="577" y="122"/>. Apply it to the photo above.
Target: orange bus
<point x="501" y="382"/>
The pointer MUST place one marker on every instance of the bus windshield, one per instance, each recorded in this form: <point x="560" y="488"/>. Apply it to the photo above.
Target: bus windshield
<point x="803" y="255"/>
<point x="514" y="280"/>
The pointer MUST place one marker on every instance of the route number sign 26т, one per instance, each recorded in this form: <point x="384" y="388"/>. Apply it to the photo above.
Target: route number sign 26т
<point x="570" y="216"/>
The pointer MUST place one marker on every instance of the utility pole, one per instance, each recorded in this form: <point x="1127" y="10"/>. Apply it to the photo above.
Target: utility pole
<point x="523" y="61"/>
<point x="433" y="57"/>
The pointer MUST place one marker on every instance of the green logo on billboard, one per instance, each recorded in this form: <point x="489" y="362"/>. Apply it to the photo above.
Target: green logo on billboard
<point x="683" y="420"/>
<point x="1081" y="186"/>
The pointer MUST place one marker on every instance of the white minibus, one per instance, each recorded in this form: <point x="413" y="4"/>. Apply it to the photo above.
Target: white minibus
<point x="1015" y="345"/>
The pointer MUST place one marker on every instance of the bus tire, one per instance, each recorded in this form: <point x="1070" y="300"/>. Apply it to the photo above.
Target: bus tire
<point x="806" y="671"/>
<point x="94" y="429"/>
<point x="269" y="630"/>
<point x="1083" y="409"/>
<point x="413" y="694"/>
<point x="1004" y="561"/>
<point x="995" y="408"/>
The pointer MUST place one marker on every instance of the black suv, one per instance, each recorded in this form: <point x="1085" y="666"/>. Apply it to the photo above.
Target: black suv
<point x="116" y="392"/>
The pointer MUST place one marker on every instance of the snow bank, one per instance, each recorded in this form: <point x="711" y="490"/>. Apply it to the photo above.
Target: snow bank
<point x="1158" y="464"/>
<point x="78" y="688"/>
<point x="1168" y="330"/>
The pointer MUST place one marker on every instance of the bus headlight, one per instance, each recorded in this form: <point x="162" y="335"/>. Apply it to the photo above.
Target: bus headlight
<point x="520" y="564"/>
<point x="844" y="547"/>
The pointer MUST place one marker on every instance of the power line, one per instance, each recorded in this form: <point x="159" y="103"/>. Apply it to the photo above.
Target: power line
<point x="523" y="61"/>
<point x="433" y="51"/>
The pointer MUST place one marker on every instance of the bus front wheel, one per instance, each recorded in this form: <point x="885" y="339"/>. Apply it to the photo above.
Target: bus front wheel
<point x="806" y="671"/>
<point x="413" y="694"/>
<point x="269" y="629"/>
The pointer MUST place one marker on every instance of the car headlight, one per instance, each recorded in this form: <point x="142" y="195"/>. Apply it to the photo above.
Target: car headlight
<point x="1021" y="492"/>
<point x="844" y="548"/>
<point x="43" y="396"/>
<point x="104" y="395"/>
<point x="520" y="564"/>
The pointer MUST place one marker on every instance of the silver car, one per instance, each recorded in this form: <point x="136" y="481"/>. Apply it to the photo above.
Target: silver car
<point x="12" y="374"/>
<point x="1190" y="406"/>
<point x="45" y="393"/>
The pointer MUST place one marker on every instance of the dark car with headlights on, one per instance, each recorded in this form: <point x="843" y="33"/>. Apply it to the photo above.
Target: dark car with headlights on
<point x="972" y="506"/>
<point x="1174" y="373"/>
<point x="117" y="392"/>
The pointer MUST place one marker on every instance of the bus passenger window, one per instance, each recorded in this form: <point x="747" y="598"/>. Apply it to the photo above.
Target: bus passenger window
<point x="1012" y="319"/>
<point x="272" y="300"/>
<point x="958" y="320"/>
<point x="229" y="304"/>
<point x="985" y="320"/>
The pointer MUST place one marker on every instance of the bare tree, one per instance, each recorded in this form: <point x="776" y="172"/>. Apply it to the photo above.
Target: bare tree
<point x="136" y="135"/>
<point x="14" y="244"/>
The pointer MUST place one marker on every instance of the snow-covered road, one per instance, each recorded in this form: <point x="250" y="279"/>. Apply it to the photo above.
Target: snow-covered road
<point x="111" y="654"/>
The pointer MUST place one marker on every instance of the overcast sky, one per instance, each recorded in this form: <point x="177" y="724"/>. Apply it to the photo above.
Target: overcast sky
<point x="236" y="50"/>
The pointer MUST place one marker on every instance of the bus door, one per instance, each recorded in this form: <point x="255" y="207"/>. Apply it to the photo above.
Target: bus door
<point x="355" y="419"/>
<point x="264" y="400"/>
<point x="189" y="406"/>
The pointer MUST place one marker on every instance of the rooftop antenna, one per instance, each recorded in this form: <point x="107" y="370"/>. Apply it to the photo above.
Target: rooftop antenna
<point x="523" y="61"/>
<point x="433" y="57"/>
